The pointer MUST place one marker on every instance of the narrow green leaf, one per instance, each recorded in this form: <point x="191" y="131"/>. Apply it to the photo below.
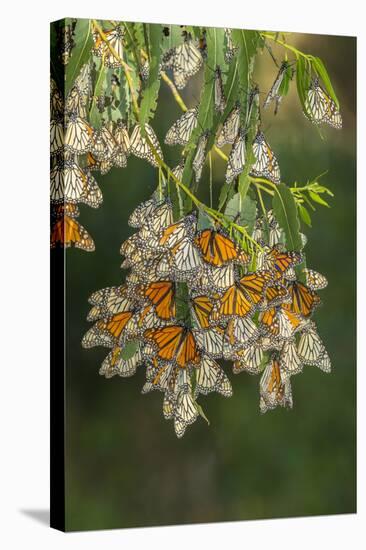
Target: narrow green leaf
<point x="80" y="52"/>
<point x="316" y="198"/>
<point x="243" y="212"/>
<point x="286" y="214"/>
<point x="150" y="93"/>
<point x="305" y="216"/>
<point x="321" y="71"/>
<point x="95" y="116"/>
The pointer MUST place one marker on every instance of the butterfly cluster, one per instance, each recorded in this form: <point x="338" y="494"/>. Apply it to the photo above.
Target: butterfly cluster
<point x="192" y="297"/>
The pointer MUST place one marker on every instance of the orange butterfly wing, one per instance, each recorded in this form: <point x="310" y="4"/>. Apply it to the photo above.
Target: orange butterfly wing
<point x="255" y="284"/>
<point x="115" y="324"/>
<point x="234" y="302"/>
<point x="218" y="249"/>
<point x="202" y="306"/>
<point x="161" y="294"/>
<point x="67" y="231"/>
<point x="303" y="300"/>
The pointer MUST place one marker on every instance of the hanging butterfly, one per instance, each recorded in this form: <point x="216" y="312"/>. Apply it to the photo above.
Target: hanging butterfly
<point x="315" y="280"/>
<point x="140" y="146"/>
<point x="303" y="300"/>
<point x="266" y="164"/>
<point x="218" y="249"/>
<point x="175" y="343"/>
<point x="230" y="128"/>
<point x="181" y="131"/>
<point x="274" y="387"/>
<point x="220" y="100"/>
<point x="231" y="50"/>
<point x="273" y="94"/>
<point x="78" y="134"/>
<point x="56" y="135"/>
<point x="114" y="38"/>
<point x="121" y="136"/>
<point x="200" y="155"/>
<point x="66" y="232"/>
<point x="237" y="157"/>
<point x="210" y="377"/>
<point x="162" y="296"/>
<point x="248" y="359"/>
<point x="311" y="349"/>
<point x="185" y="61"/>
<point x="320" y="107"/>
<point x="202" y="307"/>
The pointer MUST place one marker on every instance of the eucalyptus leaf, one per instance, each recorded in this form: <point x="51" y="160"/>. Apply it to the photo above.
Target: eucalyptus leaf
<point x="304" y="214"/>
<point x="316" y="198"/>
<point x="150" y="93"/>
<point x="129" y="349"/>
<point x="321" y="71"/>
<point x="80" y="52"/>
<point x="285" y="211"/>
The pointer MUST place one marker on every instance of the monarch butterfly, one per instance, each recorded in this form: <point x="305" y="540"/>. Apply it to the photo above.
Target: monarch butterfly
<point x="175" y="232"/>
<point x="110" y="301"/>
<point x="185" y="61"/>
<point x="200" y="155"/>
<point x="56" y="135"/>
<point x="273" y="94"/>
<point x="114" y="363"/>
<point x="210" y="340"/>
<point x="78" y="134"/>
<point x="315" y="280"/>
<point x="66" y="232"/>
<point x="75" y="103"/>
<point x="181" y="131"/>
<point x="64" y="209"/>
<point x="320" y="107"/>
<point x="255" y="285"/>
<point x="241" y="331"/>
<point x="217" y="278"/>
<point x="107" y="332"/>
<point x="202" y="308"/>
<point x="179" y="169"/>
<point x="115" y="38"/>
<point x="237" y="157"/>
<point x="274" y="387"/>
<point x="303" y="300"/>
<point x="274" y="295"/>
<point x="290" y="362"/>
<point x="218" y="249"/>
<point x="234" y="302"/>
<point x="248" y="359"/>
<point x="70" y="183"/>
<point x="266" y="164"/>
<point x="276" y="234"/>
<point x="210" y="377"/>
<point x="141" y="148"/>
<point x="162" y="294"/>
<point x="187" y="261"/>
<point x="278" y="261"/>
<point x="145" y="70"/>
<point x="83" y="82"/>
<point x="121" y="137"/>
<point x="220" y="100"/>
<point x="279" y="322"/>
<point x="56" y="100"/>
<point x="175" y="343"/>
<point x="230" y="128"/>
<point x="230" y="49"/>
<point x="311" y="349"/>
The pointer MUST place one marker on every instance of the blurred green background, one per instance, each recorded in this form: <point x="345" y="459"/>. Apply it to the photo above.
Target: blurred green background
<point x="124" y="465"/>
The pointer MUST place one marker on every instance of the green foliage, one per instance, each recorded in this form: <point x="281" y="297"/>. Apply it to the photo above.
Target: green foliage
<point x="243" y="212"/>
<point x="95" y="116"/>
<point x="80" y="52"/>
<point x="319" y="68"/>
<point x="151" y="90"/>
<point x="285" y="211"/>
<point x="129" y="349"/>
<point x="246" y="42"/>
<point x="303" y="77"/>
